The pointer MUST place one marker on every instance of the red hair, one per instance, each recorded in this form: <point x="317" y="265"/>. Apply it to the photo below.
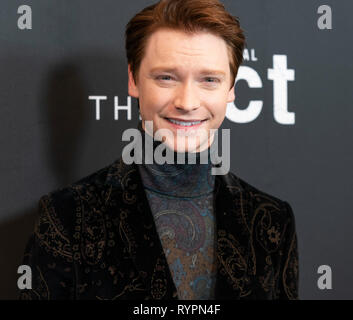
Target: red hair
<point x="190" y="16"/>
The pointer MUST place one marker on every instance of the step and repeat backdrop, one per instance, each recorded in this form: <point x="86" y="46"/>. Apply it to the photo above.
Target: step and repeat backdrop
<point x="290" y="123"/>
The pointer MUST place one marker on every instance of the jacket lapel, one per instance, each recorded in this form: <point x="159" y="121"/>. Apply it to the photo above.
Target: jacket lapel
<point x="234" y="251"/>
<point x="139" y="231"/>
<point x="144" y="246"/>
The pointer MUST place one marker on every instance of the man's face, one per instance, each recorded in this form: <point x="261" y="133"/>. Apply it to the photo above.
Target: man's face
<point x="185" y="77"/>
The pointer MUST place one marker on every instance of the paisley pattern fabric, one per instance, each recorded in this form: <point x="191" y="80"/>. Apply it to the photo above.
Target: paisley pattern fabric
<point x="97" y="239"/>
<point x="181" y="200"/>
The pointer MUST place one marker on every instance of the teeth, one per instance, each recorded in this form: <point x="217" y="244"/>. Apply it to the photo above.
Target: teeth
<point x="185" y="124"/>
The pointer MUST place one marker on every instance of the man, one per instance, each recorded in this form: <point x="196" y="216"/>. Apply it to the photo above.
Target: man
<point x="169" y="231"/>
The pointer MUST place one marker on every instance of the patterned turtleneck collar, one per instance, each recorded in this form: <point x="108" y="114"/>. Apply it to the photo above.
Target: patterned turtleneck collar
<point x="181" y="201"/>
<point x="187" y="180"/>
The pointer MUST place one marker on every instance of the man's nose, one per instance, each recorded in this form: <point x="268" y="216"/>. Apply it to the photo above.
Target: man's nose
<point x="187" y="97"/>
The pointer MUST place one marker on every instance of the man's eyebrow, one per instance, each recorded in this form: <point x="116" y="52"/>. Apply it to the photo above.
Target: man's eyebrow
<point x="202" y="72"/>
<point x="213" y="72"/>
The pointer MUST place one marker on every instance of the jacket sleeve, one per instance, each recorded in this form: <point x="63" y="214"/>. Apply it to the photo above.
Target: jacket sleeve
<point x="289" y="268"/>
<point x="48" y="254"/>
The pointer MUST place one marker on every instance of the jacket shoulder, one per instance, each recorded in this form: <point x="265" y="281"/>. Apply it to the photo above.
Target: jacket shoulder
<point x="272" y="227"/>
<point x="62" y="205"/>
<point x="261" y="200"/>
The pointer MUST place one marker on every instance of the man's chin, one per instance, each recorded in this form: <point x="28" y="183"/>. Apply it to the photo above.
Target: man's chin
<point x="185" y="147"/>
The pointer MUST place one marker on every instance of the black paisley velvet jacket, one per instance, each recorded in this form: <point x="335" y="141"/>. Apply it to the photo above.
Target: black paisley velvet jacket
<point x="96" y="239"/>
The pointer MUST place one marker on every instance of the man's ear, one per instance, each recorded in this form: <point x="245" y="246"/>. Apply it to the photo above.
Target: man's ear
<point x="231" y="94"/>
<point x="132" y="88"/>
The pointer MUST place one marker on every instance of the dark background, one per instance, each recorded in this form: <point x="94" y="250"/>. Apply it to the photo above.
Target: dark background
<point x="49" y="136"/>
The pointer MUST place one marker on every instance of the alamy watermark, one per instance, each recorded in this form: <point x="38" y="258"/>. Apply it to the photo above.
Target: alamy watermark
<point x="164" y="154"/>
<point x="325" y="281"/>
<point x="25" y="280"/>
<point x="325" y="20"/>
<point x="24" y="22"/>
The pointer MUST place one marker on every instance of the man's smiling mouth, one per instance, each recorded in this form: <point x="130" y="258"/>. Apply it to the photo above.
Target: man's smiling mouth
<point x="184" y="122"/>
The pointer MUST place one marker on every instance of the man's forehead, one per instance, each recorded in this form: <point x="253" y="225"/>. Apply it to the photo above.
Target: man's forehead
<point x="167" y="46"/>
<point x="195" y="43"/>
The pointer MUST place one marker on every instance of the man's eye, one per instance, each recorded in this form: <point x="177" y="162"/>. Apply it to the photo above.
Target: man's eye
<point x="163" y="78"/>
<point x="212" y="80"/>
